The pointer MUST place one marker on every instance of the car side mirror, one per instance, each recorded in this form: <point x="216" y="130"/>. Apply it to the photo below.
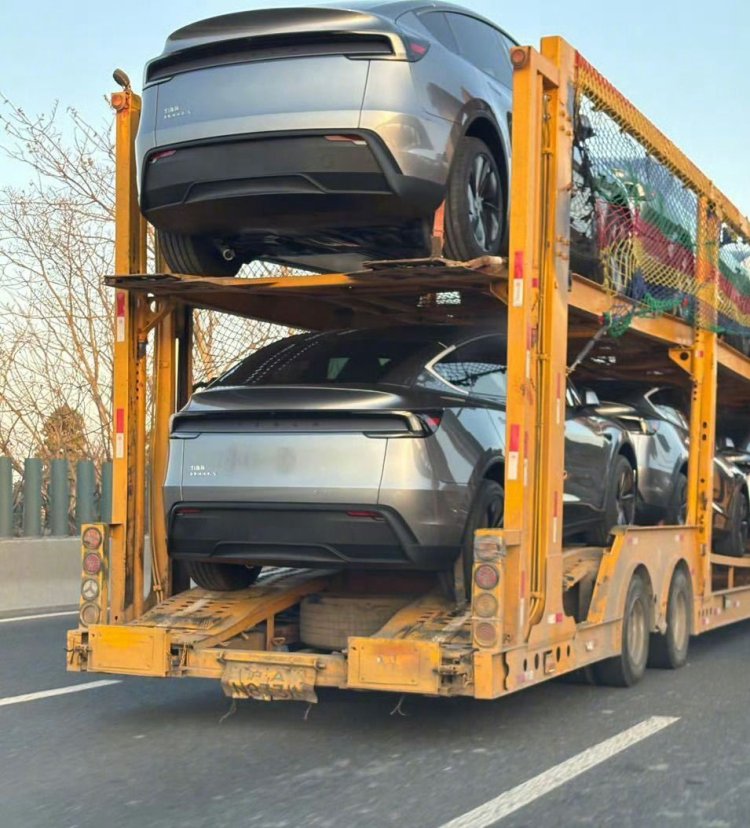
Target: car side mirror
<point x="608" y="409"/>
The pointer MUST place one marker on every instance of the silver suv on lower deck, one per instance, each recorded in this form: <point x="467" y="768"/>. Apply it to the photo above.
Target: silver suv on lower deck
<point x="367" y="449"/>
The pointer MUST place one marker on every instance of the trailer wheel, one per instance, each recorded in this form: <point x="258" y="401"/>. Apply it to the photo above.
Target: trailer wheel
<point x="222" y="577"/>
<point x="619" y="505"/>
<point x="327" y="621"/>
<point x="627" y="668"/>
<point x="669" y="651"/>
<point x="473" y="203"/>
<point x="194" y="255"/>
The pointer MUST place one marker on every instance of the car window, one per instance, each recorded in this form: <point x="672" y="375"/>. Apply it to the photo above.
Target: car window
<point x="477" y="368"/>
<point x="437" y="25"/>
<point x="483" y="46"/>
<point x="663" y="400"/>
<point x="358" y="358"/>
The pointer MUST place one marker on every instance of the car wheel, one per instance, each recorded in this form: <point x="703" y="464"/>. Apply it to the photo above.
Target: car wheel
<point x="619" y="505"/>
<point x="194" y="255"/>
<point x="486" y="512"/>
<point x="735" y="540"/>
<point x="473" y="203"/>
<point x="669" y="651"/>
<point x="627" y="668"/>
<point x="222" y="577"/>
<point x="678" y="512"/>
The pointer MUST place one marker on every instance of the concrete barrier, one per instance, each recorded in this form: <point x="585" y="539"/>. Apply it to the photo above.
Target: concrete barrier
<point x="39" y="574"/>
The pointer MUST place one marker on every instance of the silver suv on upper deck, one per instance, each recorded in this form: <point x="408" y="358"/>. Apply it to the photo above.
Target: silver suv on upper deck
<point x="321" y="137"/>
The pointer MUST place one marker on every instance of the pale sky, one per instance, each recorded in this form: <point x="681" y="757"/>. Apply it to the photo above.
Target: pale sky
<point x="684" y="64"/>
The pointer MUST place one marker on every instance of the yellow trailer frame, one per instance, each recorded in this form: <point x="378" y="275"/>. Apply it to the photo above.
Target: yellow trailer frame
<point x="435" y="645"/>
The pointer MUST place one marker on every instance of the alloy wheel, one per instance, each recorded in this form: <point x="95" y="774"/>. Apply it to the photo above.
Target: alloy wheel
<point x="483" y="195"/>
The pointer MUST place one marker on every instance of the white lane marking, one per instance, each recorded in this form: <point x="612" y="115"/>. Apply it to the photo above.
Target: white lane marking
<point x="525" y="793"/>
<point x="58" y="691"/>
<point x="40" y="615"/>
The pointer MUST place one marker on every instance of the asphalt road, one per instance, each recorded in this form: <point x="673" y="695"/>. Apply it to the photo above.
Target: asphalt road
<point x="154" y="753"/>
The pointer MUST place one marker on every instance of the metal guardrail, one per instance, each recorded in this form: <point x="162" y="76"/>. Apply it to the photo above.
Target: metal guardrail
<point x="48" y="500"/>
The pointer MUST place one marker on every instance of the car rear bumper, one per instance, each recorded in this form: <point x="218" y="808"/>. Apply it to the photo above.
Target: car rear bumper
<point x="300" y="534"/>
<point x="282" y="184"/>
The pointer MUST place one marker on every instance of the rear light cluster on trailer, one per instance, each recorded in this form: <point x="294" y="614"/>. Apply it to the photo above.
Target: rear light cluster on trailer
<point x="93" y="601"/>
<point x="486" y="590"/>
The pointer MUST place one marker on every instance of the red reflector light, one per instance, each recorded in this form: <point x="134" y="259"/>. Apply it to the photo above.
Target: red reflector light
<point x="347" y="139"/>
<point x="485" y="634"/>
<point x="362" y="513"/>
<point x="188" y="511"/>
<point x="157" y="156"/>
<point x="92" y="538"/>
<point x="92" y="563"/>
<point x="486" y="576"/>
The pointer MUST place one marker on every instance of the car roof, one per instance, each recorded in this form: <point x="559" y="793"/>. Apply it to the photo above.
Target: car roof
<point x="393" y="9"/>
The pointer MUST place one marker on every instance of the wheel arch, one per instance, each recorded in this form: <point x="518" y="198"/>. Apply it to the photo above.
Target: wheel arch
<point x="484" y="127"/>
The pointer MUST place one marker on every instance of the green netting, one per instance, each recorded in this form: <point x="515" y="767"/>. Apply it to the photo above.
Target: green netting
<point x="634" y="229"/>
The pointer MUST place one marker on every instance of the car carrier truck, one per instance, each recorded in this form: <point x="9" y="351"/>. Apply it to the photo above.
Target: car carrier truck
<point x="587" y="169"/>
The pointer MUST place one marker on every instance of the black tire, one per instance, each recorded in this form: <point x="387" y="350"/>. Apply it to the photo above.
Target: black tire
<point x="194" y="255"/>
<point x="328" y="621"/>
<point x="486" y="512"/>
<point x="221" y="577"/>
<point x="627" y="668"/>
<point x="734" y="540"/>
<point x="678" y="511"/>
<point x="474" y="203"/>
<point x="619" y="504"/>
<point x="669" y="651"/>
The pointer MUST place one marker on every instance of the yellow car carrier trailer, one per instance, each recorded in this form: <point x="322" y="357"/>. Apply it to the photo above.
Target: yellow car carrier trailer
<point x="538" y="609"/>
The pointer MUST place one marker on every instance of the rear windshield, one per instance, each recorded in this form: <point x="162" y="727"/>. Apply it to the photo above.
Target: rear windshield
<point x="346" y="358"/>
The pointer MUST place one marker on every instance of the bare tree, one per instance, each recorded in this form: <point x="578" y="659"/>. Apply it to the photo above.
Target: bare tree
<point x="56" y="238"/>
<point x="56" y="245"/>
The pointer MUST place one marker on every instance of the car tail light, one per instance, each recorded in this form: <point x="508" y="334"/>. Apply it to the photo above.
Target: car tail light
<point x="347" y="139"/>
<point x="416" y="48"/>
<point x="188" y="510"/>
<point x="157" y="156"/>
<point x="431" y="421"/>
<point x="364" y="513"/>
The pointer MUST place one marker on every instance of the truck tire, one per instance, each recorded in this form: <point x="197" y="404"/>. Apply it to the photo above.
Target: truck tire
<point x="627" y="668"/>
<point x="221" y="577"/>
<point x="327" y="621"/>
<point x="194" y="255"/>
<point x="669" y="651"/>
<point x="619" y="505"/>
<point x="474" y="203"/>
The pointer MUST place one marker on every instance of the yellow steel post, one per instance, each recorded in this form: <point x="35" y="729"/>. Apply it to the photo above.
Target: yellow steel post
<point x="705" y="379"/>
<point x="537" y="317"/>
<point x="554" y="276"/>
<point x="165" y="392"/>
<point x="522" y="327"/>
<point x="129" y="378"/>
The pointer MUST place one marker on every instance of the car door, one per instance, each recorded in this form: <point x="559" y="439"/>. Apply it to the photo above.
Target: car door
<point x="588" y="449"/>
